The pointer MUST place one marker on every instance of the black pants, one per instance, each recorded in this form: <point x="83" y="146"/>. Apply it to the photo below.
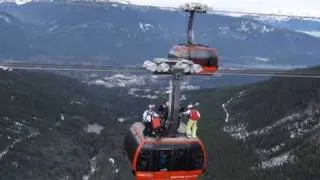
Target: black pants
<point x="147" y="129"/>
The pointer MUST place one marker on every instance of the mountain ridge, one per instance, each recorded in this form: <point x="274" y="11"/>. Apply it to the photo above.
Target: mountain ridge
<point x="59" y="31"/>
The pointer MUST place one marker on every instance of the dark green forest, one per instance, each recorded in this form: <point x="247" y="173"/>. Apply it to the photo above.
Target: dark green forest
<point x="62" y="149"/>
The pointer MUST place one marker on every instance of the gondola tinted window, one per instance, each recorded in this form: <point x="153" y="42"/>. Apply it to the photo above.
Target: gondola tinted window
<point x="180" y="157"/>
<point x="164" y="157"/>
<point x="195" y="157"/>
<point x="145" y="160"/>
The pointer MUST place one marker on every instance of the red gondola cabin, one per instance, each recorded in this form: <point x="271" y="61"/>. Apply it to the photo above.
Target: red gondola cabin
<point x="165" y="158"/>
<point x="203" y="55"/>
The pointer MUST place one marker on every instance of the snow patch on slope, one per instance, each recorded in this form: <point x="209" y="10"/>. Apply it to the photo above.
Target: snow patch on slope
<point x="5" y="68"/>
<point x="276" y="161"/>
<point x="22" y="2"/>
<point x="120" y="80"/>
<point x="312" y="33"/>
<point x="262" y="59"/>
<point x="239" y="131"/>
<point x="93" y="168"/>
<point x="145" y="26"/>
<point x="121" y="120"/>
<point x="115" y="168"/>
<point x="32" y="134"/>
<point x="224" y="105"/>
<point x="250" y="27"/>
<point x="94" y="128"/>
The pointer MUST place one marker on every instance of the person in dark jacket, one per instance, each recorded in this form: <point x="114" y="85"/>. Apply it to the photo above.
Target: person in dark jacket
<point x="164" y="111"/>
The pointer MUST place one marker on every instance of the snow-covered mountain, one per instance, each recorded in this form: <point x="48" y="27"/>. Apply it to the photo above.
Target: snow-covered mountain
<point x="60" y="31"/>
<point x="304" y="25"/>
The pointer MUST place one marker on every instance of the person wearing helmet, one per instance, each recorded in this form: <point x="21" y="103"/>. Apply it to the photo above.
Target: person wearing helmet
<point x="194" y="116"/>
<point x="147" y="119"/>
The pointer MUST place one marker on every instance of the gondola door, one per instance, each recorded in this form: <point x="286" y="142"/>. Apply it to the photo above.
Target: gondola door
<point x="163" y="161"/>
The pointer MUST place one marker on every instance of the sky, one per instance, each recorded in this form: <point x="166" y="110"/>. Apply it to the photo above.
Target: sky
<point x="292" y="7"/>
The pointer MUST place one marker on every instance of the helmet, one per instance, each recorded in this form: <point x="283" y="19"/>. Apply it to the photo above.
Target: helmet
<point x="167" y="103"/>
<point x="190" y="106"/>
<point x="151" y="106"/>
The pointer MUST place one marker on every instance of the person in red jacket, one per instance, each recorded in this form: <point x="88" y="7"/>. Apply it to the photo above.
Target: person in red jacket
<point x="194" y="116"/>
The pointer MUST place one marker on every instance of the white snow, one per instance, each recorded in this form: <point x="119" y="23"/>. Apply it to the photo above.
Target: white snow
<point x="61" y="117"/>
<point x="189" y="87"/>
<point x="21" y="2"/>
<point x="93" y="167"/>
<point x="93" y="164"/>
<point x="114" y="165"/>
<point x="274" y="149"/>
<point x="185" y="85"/>
<point x="18" y="124"/>
<point x="276" y="124"/>
<point x="5" y="68"/>
<point x="251" y="27"/>
<point x="275" y="161"/>
<point x="145" y="26"/>
<point x="52" y="28"/>
<point x="263" y="59"/>
<point x="297" y="124"/>
<point x="224" y="105"/>
<point x="121" y="119"/>
<point x="79" y="26"/>
<point x="111" y="160"/>
<point x="133" y="90"/>
<point x="243" y="27"/>
<point x="120" y="1"/>
<point x="272" y="18"/>
<point x="224" y="30"/>
<point x="32" y="134"/>
<point x="183" y="97"/>
<point x="101" y="82"/>
<point x="147" y="90"/>
<point x="85" y="177"/>
<point x="302" y="126"/>
<point x="94" y="128"/>
<point x="120" y="80"/>
<point x="149" y="96"/>
<point x="76" y="102"/>
<point x="312" y="33"/>
<point x="239" y="130"/>
<point x="142" y="94"/>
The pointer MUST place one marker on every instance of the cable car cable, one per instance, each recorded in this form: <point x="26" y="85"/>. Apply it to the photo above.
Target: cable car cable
<point x="90" y="68"/>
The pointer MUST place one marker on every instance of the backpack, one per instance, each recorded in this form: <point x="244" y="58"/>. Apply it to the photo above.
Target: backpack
<point x="156" y="123"/>
<point x="194" y="115"/>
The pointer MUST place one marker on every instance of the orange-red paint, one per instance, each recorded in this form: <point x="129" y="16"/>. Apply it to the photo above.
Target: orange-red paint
<point x="166" y="175"/>
<point x="207" y="70"/>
